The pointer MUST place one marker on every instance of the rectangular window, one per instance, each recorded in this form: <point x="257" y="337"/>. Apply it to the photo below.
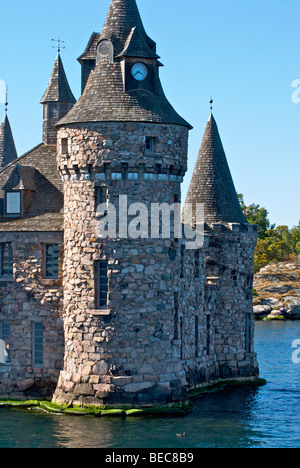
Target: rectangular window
<point x="101" y="284"/>
<point x="6" y="260"/>
<point x="197" y="264"/>
<point x="51" y="261"/>
<point x="176" y="309"/>
<point x="248" y="333"/>
<point x="149" y="144"/>
<point x="133" y="175"/>
<point x="116" y="175"/>
<point x="64" y="146"/>
<point x="13" y="203"/>
<point x="196" y="336"/>
<point x="208" y="335"/>
<point x="101" y="196"/>
<point x="148" y="176"/>
<point x="181" y="337"/>
<point x="182" y="261"/>
<point x="4" y="342"/>
<point x="37" y="344"/>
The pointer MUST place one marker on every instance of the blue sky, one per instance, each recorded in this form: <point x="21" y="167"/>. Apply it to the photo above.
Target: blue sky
<point x="243" y="53"/>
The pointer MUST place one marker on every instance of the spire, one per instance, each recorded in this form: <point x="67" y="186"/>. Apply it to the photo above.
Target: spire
<point x="58" y="89"/>
<point x="212" y="182"/>
<point x="122" y="17"/>
<point x="112" y="93"/>
<point x="8" y="152"/>
<point x="58" y="99"/>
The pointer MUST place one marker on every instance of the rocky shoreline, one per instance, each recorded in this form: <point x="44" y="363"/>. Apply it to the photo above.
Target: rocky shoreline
<point x="277" y="292"/>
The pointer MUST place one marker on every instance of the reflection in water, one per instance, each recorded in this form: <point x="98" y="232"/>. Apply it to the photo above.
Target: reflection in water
<point x="241" y="418"/>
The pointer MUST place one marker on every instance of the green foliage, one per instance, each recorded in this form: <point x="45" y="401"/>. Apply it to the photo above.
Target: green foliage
<point x="275" y="243"/>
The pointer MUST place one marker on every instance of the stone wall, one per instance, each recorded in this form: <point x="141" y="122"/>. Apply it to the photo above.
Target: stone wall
<point x="125" y="352"/>
<point x="230" y="265"/>
<point x="24" y="299"/>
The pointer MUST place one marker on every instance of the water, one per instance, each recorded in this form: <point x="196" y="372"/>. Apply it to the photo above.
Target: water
<point x="265" y="417"/>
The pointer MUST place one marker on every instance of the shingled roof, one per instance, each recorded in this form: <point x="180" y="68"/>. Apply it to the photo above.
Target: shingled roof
<point x="8" y="152"/>
<point x="58" y="89"/>
<point x="212" y="182"/>
<point x="35" y="171"/>
<point x="123" y="15"/>
<point x="104" y="98"/>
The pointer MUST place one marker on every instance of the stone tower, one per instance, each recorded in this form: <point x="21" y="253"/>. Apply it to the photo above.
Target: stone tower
<point x="229" y="253"/>
<point x="57" y="100"/>
<point x="8" y="152"/>
<point x="122" y="138"/>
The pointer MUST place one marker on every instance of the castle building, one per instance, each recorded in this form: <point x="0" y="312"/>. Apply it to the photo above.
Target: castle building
<point x="119" y="319"/>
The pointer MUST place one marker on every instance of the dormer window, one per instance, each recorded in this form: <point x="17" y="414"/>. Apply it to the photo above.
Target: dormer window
<point x="105" y="51"/>
<point x="13" y="204"/>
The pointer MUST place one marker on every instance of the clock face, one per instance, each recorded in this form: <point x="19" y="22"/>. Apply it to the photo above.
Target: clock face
<point x="139" y="71"/>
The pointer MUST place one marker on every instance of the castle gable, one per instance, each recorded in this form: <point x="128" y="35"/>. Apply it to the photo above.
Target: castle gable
<point x="35" y="175"/>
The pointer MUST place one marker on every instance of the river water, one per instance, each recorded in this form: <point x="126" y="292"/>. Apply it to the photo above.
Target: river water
<point x="265" y="417"/>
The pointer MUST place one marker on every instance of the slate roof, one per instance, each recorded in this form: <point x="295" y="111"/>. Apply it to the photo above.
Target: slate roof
<point x="212" y="183"/>
<point x="123" y="15"/>
<point x="91" y="48"/>
<point x="104" y="98"/>
<point x="35" y="171"/>
<point x="8" y="152"/>
<point x="58" y="89"/>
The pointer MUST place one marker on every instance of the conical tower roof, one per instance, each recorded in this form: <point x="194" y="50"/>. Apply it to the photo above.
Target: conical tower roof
<point x="8" y="152"/>
<point x="122" y="16"/>
<point x="104" y="98"/>
<point x="212" y="183"/>
<point x="58" y="89"/>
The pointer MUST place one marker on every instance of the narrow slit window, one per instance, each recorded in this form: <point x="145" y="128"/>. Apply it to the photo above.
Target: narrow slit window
<point x="4" y="342"/>
<point x="6" y="260"/>
<point x="176" y="309"/>
<point x="197" y="264"/>
<point x="182" y="261"/>
<point x="102" y="284"/>
<point x="38" y="344"/>
<point x="64" y="146"/>
<point x="196" y="336"/>
<point x="248" y="333"/>
<point x="51" y="261"/>
<point x="208" y="327"/>
<point x="101" y="197"/>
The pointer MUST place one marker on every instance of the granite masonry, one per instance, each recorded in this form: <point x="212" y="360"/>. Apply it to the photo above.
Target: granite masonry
<point x="123" y="319"/>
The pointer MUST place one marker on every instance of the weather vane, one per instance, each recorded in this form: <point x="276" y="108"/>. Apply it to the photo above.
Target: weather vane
<point x="58" y="46"/>
<point x="211" y="104"/>
<point x="6" y="101"/>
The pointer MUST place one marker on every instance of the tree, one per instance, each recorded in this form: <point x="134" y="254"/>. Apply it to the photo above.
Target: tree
<point x="256" y="215"/>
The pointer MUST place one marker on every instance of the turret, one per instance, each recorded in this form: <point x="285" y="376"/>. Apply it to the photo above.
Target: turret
<point x="8" y="152"/>
<point x="121" y="144"/>
<point x="57" y="100"/>
<point x="229" y="253"/>
<point x="212" y="183"/>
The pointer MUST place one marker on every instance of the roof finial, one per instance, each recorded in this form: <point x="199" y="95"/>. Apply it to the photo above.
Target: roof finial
<point x="211" y="104"/>
<point x="58" y="46"/>
<point x="6" y="100"/>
